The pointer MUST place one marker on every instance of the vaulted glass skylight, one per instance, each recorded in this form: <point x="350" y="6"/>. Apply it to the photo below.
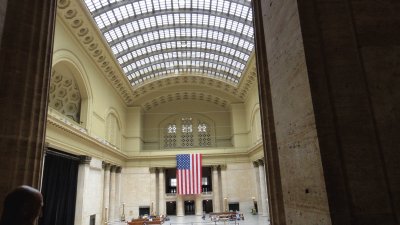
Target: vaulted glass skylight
<point x="154" y="38"/>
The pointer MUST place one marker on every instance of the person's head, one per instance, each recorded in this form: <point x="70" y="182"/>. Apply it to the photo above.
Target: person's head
<point x="21" y="206"/>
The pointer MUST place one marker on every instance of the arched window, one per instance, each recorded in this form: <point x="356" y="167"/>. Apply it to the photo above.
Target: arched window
<point x="170" y="136"/>
<point x="64" y="95"/>
<point x="113" y="135"/>
<point x="187" y="131"/>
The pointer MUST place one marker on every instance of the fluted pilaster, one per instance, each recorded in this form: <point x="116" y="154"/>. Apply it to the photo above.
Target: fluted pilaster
<point x="215" y="191"/>
<point x="112" y="193"/>
<point x="258" y="187"/>
<point x="106" y="191"/>
<point x="263" y="188"/>
<point x="82" y="190"/>
<point x="161" y="177"/>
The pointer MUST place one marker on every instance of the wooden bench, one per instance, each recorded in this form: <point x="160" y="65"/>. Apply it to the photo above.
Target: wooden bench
<point x="145" y="221"/>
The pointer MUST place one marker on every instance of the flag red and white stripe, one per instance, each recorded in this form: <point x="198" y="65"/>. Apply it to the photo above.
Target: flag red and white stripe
<point x="188" y="174"/>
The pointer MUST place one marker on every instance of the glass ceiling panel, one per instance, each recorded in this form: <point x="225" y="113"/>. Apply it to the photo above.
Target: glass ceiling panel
<point x="155" y="38"/>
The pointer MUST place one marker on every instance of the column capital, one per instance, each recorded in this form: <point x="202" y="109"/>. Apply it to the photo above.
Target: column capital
<point x="261" y="162"/>
<point x="84" y="159"/>
<point x="119" y="169"/>
<point x="223" y="167"/>
<point x="255" y="163"/>
<point x="152" y="169"/>
<point x="160" y="169"/>
<point x="105" y="165"/>
<point x="215" y="167"/>
<point x="113" y="168"/>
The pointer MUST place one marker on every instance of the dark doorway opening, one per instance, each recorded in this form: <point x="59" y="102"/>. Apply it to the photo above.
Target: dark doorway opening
<point x="171" y="208"/>
<point x="234" y="206"/>
<point x="59" y="187"/>
<point x="189" y="208"/>
<point x="255" y="206"/>
<point x="207" y="206"/>
<point x="144" y="210"/>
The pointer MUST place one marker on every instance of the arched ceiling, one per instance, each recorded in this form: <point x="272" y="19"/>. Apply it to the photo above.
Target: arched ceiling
<point x="161" y="38"/>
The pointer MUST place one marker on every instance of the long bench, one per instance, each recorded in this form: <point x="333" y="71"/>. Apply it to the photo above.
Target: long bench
<point x="145" y="221"/>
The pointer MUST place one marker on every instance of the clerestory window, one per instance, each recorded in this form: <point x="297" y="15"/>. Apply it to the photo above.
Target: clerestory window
<point x="187" y="132"/>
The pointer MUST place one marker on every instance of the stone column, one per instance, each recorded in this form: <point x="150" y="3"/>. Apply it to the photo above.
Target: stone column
<point x="161" y="177"/>
<point x="153" y="190"/>
<point x="258" y="185"/>
<point x="118" y="203"/>
<point x="26" y="41"/>
<point x="81" y="192"/>
<point x="223" y="190"/>
<point x="215" y="190"/>
<point x="179" y="206"/>
<point x="106" y="192"/>
<point x="112" y="193"/>
<point x="199" y="205"/>
<point x="263" y="188"/>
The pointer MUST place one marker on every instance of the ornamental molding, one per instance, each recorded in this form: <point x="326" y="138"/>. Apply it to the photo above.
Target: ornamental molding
<point x="79" y="22"/>
<point x="185" y="95"/>
<point x="81" y="133"/>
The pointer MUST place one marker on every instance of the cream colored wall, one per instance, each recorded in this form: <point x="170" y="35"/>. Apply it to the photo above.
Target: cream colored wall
<point x="239" y="125"/>
<point x="240" y="185"/>
<point x="153" y="118"/>
<point x="135" y="192"/>
<point x="134" y="130"/>
<point x="253" y="120"/>
<point x="103" y="97"/>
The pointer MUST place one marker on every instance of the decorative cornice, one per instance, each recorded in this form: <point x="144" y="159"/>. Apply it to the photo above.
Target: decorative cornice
<point x="81" y="133"/>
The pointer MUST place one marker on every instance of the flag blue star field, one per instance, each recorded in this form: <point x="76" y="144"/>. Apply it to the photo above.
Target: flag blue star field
<point x="188" y="174"/>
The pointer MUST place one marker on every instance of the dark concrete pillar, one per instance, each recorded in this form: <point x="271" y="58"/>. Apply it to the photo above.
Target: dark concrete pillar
<point x="25" y="65"/>
<point x="353" y="55"/>
<point x="344" y="56"/>
<point x="272" y="167"/>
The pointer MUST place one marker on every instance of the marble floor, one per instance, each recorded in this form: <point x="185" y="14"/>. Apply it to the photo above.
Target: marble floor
<point x="197" y="220"/>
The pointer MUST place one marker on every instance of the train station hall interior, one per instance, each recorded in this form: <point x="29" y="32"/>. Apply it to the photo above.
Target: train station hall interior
<point x="293" y="106"/>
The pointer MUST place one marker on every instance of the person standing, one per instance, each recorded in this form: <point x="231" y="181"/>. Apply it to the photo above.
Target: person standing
<point x="22" y="206"/>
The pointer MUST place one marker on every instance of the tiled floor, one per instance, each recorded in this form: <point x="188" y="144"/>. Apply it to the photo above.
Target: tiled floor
<point x="196" y="220"/>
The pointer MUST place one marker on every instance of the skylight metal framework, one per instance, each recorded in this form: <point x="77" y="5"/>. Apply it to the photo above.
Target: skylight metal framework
<point x="154" y="38"/>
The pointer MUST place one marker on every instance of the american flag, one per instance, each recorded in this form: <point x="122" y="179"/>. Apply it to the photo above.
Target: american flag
<point x="188" y="174"/>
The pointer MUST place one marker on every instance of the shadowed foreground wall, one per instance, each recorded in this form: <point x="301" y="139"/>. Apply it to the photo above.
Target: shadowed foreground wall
<point x="25" y="62"/>
<point x="351" y="51"/>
